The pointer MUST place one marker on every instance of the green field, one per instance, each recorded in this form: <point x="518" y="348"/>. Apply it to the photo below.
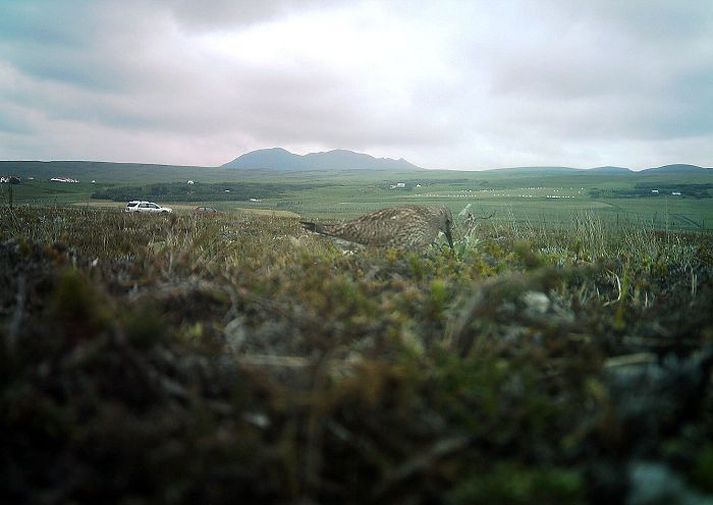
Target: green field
<point x="549" y="197"/>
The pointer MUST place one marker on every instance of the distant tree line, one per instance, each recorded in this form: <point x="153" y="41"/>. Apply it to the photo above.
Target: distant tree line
<point x="183" y="192"/>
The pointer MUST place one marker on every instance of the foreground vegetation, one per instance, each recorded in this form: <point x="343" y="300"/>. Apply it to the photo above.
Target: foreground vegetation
<point x="209" y="359"/>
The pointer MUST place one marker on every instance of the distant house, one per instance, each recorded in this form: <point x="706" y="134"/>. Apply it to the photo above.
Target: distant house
<point x="655" y="191"/>
<point x="418" y="185"/>
<point x="9" y="179"/>
<point x="94" y="181"/>
<point x="227" y="191"/>
<point x="255" y="200"/>
<point x="190" y="182"/>
<point x="676" y="193"/>
<point x="398" y="185"/>
<point x="63" y="180"/>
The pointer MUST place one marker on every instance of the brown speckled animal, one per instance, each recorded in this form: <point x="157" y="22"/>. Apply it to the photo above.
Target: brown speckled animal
<point x="409" y="227"/>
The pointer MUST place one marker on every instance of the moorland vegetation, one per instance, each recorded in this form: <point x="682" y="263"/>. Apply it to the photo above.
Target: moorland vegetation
<point x="209" y="359"/>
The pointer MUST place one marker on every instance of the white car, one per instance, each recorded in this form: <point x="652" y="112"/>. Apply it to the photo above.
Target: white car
<point x="144" y="206"/>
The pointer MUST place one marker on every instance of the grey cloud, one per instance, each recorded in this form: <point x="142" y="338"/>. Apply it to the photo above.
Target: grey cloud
<point x="94" y="45"/>
<point x="225" y="14"/>
<point x="46" y="22"/>
<point x="601" y="71"/>
<point x="523" y="82"/>
<point x="12" y="121"/>
<point x="658" y="21"/>
<point x="161" y="91"/>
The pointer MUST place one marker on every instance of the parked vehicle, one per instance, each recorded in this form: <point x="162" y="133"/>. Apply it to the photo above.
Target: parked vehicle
<point x="144" y="206"/>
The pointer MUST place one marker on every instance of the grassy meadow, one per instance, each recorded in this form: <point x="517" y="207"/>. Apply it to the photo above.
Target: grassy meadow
<point x="543" y="198"/>
<point x="209" y="359"/>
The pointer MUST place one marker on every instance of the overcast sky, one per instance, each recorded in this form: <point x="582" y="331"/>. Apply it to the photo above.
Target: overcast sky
<point x="444" y="84"/>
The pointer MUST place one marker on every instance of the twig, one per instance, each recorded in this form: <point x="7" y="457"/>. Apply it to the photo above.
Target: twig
<point x="694" y="283"/>
<point x="492" y="214"/>
<point x="316" y="425"/>
<point x="639" y="358"/>
<point x="422" y="462"/>
<point x="618" y="286"/>
<point x="457" y="337"/>
<point x="13" y="333"/>
<point x="471" y="219"/>
<point x="273" y="360"/>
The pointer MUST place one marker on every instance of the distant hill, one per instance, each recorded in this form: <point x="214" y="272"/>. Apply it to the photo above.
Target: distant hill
<point x="258" y="164"/>
<point x="104" y="171"/>
<point x="536" y="170"/>
<point x="680" y="169"/>
<point x="340" y="159"/>
<point x="98" y="166"/>
<point x="612" y="170"/>
<point x="675" y="169"/>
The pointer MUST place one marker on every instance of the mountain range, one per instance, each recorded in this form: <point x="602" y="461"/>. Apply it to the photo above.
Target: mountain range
<point x="677" y="169"/>
<point x="281" y="159"/>
<point x="339" y="159"/>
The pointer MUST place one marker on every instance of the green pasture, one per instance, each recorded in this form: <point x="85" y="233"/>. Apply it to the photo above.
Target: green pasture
<point x="549" y="197"/>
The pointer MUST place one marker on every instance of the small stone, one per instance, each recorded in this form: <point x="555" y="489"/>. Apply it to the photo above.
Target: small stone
<point x="536" y="301"/>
